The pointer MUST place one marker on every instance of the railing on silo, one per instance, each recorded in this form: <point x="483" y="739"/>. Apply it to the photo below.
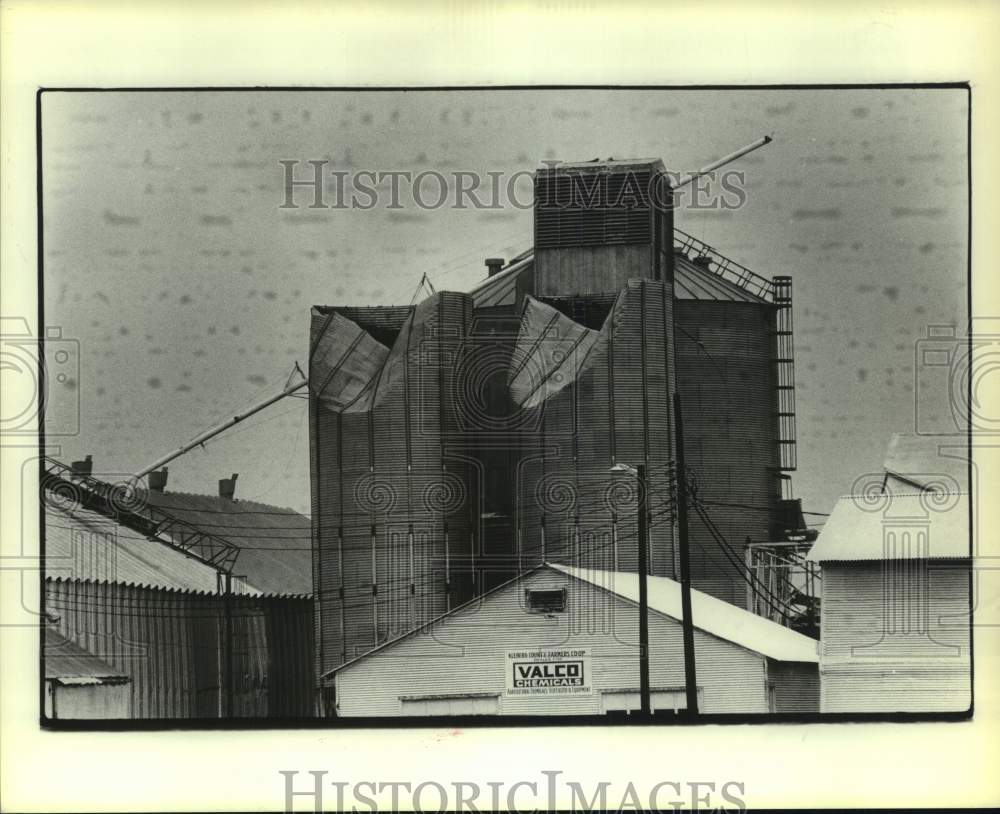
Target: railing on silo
<point x="724" y="267"/>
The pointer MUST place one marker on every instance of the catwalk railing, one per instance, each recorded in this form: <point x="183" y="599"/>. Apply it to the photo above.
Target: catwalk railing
<point x="724" y="267"/>
<point x="125" y="503"/>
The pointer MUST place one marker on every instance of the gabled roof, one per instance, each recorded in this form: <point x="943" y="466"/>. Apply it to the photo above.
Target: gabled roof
<point x="927" y="525"/>
<point x="708" y="614"/>
<point x="81" y="544"/>
<point x="68" y="663"/>
<point x="275" y="543"/>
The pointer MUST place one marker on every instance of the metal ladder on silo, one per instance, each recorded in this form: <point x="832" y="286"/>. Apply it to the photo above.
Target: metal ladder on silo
<point x="784" y="364"/>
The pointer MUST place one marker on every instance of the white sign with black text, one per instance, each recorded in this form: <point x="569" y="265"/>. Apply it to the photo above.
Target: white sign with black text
<point x="548" y="672"/>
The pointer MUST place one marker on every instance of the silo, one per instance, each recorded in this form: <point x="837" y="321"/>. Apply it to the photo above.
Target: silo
<point x="598" y="393"/>
<point x="727" y="376"/>
<point x="391" y="514"/>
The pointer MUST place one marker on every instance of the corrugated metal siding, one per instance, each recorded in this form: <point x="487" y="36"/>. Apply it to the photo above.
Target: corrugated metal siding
<point x="893" y="525"/>
<point x="895" y="636"/>
<point x="82" y="544"/>
<point x="590" y="269"/>
<point x="391" y="492"/>
<point x="64" y="659"/>
<point x="726" y="380"/>
<point x="274" y="542"/>
<point x="92" y="702"/>
<point x="694" y="282"/>
<point x="172" y="645"/>
<point x="571" y="509"/>
<point x="796" y="686"/>
<point x="466" y="653"/>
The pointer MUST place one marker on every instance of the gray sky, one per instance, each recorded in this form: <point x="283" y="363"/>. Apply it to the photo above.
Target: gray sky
<point x="168" y="259"/>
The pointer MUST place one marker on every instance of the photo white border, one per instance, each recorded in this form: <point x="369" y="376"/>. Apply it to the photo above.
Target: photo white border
<point x="111" y="44"/>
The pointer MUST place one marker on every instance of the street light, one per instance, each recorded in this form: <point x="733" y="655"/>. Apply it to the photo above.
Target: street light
<point x="687" y="624"/>
<point x="640" y="475"/>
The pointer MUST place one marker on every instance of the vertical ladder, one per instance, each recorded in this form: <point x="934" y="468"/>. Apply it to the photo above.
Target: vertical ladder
<point x="784" y="361"/>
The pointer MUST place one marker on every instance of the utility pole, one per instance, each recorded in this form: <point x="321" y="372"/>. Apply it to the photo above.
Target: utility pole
<point x="228" y="600"/>
<point x="690" y="677"/>
<point x="645" y="705"/>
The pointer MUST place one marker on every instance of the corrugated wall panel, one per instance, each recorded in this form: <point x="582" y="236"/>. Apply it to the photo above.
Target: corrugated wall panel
<point x="617" y="410"/>
<point x="725" y="378"/>
<point x="796" y="686"/>
<point x="171" y="645"/>
<point x="895" y="636"/>
<point x="391" y="494"/>
<point x="468" y="654"/>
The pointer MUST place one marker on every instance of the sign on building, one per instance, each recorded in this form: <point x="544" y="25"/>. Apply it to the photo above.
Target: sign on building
<point x="548" y="672"/>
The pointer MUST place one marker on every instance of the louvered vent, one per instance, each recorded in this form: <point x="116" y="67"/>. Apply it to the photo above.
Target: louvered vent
<point x="592" y="209"/>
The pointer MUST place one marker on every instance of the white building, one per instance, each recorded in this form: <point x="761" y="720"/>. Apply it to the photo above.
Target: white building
<point x="564" y="640"/>
<point x="895" y="565"/>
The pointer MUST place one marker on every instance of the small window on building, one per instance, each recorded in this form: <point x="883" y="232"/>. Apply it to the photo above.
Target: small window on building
<point x="550" y="601"/>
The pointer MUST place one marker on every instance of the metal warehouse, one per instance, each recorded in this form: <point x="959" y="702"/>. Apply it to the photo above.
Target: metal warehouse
<point x="466" y="439"/>
<point x="170" y="615"/>
<point x="895" y="565"/>
<point x="561" y="640"/>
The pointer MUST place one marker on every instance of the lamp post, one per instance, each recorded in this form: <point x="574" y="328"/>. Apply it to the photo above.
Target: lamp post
<point x="687" y="624"/>
<point x="640" y="475"/>
<point x="690" y="678"/>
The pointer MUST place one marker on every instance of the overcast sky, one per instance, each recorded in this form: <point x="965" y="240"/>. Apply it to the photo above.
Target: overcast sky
<point x="168" y="258"/>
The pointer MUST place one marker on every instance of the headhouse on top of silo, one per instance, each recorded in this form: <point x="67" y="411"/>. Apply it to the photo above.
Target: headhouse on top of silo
<point x="464" y="440"/>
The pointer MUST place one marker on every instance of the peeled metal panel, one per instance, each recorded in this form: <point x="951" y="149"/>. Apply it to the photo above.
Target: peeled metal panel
<point x="392" y="473"/>
<point x="344" y="362"/>
<point x="550" y="353"/>
<point x="571" y="508"/>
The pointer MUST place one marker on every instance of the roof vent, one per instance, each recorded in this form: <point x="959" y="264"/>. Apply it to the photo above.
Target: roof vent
<point x="494" y="264"/>
<point x="545" y="601"/>
<point x="158" y="480"/>
<point x="84" y="467"/>
<point x="227" y="487"/>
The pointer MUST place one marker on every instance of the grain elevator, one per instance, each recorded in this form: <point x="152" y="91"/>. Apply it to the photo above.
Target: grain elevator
<point x="460" y="441"/>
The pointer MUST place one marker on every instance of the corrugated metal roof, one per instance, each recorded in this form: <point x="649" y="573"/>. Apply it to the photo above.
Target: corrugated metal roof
<point x="501" y="288"/>
<point x="691" y="282"/>
<point x="708" y="614"/>
<point x="85" y="545"/>
<point x="275" y="543"/>
<point x="939" y="463"/>
<point x="695" y="282"/>
<point x="935" y="525"/>
<point x="68" y="663"/>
